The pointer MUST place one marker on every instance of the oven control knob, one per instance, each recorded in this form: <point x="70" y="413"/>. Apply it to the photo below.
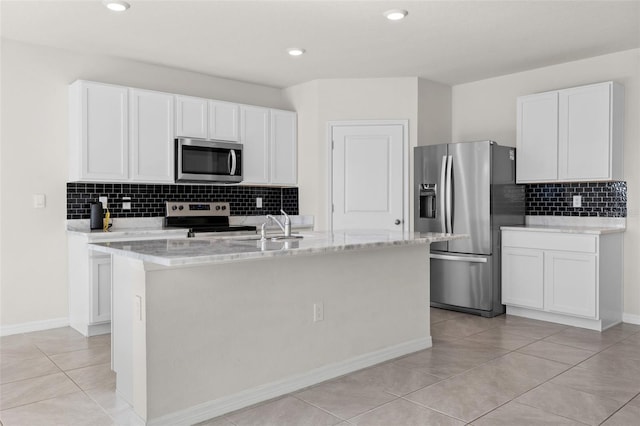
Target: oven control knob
<point x="174" y="207"/>
<point x="217" y="207"/>
<point x="224" y="207"/>
<point x="181" y="207"/>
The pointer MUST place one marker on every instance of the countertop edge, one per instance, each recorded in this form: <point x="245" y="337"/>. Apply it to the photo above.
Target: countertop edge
<point x="236" y="257"/>
<point x="565" y="229"/>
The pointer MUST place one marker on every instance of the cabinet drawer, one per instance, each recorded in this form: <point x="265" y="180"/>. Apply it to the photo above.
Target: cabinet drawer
<point x="550" y="241"/>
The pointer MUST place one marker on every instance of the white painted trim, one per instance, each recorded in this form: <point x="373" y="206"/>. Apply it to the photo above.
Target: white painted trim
<point x="591" y="324"/>
<point x="631" y="319"/>
<point x="27" y="327"/>
<point x="406" y="167"/>
<point x="267" y="391"/>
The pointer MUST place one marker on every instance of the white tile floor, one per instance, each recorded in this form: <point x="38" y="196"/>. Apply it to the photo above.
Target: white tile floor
<point x="500" y="371"/>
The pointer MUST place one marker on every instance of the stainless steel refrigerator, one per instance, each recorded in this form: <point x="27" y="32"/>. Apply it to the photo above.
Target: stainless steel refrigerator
<point x="467" y="188"/>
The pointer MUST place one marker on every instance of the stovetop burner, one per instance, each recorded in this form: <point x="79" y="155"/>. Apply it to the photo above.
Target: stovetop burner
<point x="201" y="217"/>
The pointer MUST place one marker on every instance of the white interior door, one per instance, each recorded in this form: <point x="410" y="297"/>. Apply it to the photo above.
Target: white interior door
<point x="368" y="182"/>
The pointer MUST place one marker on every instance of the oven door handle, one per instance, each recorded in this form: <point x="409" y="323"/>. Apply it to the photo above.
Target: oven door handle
<point x="232" y="161"/>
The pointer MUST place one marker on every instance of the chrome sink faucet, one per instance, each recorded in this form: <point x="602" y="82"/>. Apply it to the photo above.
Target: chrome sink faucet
<point x="286" y="227"/>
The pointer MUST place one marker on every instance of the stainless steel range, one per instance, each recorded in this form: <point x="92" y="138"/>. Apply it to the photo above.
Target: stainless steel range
<point x="203" y="219"/>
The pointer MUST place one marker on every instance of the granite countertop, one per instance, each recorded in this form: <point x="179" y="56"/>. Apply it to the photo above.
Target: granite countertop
<point x="118" y="233"/>
<point x="567" y="229"/>
<point x="193" y="251"/>
<point x="131" y="228"/>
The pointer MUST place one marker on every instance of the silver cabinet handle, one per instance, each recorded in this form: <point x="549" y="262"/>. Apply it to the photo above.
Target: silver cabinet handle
<point x="449" y="192"/>
<point x="440" y="195"/>
<point x="397" y="222"/>
<point x="459" y="258"/>
<point x="232" y="170"/>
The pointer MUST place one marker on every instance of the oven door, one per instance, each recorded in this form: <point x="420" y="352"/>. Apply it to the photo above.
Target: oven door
<point x="208" y="161"/>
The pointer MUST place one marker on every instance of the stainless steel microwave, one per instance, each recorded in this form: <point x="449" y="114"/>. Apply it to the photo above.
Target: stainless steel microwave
<point x="208" y="161"/>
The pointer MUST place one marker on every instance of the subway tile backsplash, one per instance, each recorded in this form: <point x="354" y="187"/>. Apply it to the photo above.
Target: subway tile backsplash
<point x="599" y="199"/>
<point x="148" y="200"/>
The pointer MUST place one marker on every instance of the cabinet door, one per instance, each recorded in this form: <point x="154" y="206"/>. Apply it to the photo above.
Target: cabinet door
<point x="522" y="277"/>
<point x="254" y="135"/>
<point x="224" y="123"/>
<point x="100" y="289"/>
<point x="284" y="160"/>
<point x="537" y="138"/>
<point x="104" y="142"/>
<point x="570" y="283"/>
<point x="191" y="117"/>
<point x="585" y="133"/>
<point x="152" y="134"/>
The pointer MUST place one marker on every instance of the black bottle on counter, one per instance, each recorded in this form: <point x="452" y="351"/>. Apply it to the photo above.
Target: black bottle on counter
<point x="97" y="216"/>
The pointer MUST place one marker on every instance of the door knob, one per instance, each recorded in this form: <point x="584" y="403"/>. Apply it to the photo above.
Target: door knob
<point x="398" y="222"/>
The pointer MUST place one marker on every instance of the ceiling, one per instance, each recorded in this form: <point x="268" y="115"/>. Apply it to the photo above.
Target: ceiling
<point x="446" y="41"/>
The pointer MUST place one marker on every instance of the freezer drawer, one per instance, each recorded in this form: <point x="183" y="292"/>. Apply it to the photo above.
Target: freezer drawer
<point x="462" y="280"/>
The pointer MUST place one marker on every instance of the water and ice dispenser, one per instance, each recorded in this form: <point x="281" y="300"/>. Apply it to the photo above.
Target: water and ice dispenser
<point x="428" y="200"/>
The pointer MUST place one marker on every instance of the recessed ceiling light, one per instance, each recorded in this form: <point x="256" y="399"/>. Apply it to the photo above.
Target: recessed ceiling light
<point x="295" y="51"/>
<point x="116" y="5"/>
<point x="395" y="14"/>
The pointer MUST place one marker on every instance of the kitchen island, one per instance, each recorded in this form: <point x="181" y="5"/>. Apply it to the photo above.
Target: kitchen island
<point x="202" y="327"/>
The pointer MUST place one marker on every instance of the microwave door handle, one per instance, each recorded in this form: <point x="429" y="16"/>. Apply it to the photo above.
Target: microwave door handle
<point x="232" y="168"/>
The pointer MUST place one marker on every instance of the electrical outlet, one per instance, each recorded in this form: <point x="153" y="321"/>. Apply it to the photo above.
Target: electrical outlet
<point x="318" y="312"/>
<point x="577" y="201"/>
<point x="126" y="203"/>
<point x="259" y="202"/>
<point x="103" y="200"/>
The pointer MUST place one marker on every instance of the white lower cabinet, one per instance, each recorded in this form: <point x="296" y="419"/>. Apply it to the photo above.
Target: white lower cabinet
<point x="523" y="270"/>
<point x="573" y="279"/>
<point x="90" y="278"/>
<point x="100" y="289"/>
<point x="571" y="283"/>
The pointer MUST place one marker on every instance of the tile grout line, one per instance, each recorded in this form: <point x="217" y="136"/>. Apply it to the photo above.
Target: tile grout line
<point x="624" y="405"/>
<point x="320" y="408"/>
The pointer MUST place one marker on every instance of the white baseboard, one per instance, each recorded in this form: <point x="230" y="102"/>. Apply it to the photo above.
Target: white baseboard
<point x="27" y="327"/>
<point x="631" y="319"/>
<point x="267" y="391"/>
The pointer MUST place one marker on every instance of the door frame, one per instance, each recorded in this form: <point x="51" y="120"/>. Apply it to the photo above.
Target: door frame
<point x="405" y="163"/>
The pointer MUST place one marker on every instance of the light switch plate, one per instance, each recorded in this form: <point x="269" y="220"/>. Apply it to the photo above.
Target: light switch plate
<point x="258" y="202"/>
<point x="103" y="200"/>
<point x="39" y="201"/>
<point x="577" y="201"/>
<point x="126" y="203"/>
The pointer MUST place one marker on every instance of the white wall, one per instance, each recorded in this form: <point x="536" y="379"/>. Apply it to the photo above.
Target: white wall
<point x="434" y="113"/>
<point x="487" y="109"/>
<point x="321" y="101"/>
<point x="425" y="104"/>
<point x="33" y="155"/>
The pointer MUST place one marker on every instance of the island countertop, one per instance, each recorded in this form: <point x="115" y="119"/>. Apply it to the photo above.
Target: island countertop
<point x="193" y="251"/>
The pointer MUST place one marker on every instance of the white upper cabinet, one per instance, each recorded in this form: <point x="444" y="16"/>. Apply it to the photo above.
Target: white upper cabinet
<point x="254" y="135"/>
<point x="537" y="137"/>
<point x="284" y="158"/>
<point x="269" y="139"/>
<point x="192" y="119"/>
<point x="590" y="132"/>
<point x="124" y="134"/>
<point x="572" y="134"/>
<point x="99" y="140"/>
<point x="152" y="135"/>
<point x="224" y="121"/>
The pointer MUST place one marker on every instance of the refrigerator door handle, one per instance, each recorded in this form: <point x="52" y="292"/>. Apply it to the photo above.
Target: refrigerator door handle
<point x="449" y="193"/>
<point x="441" y="196"/>
<point x="459" y="258"/>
